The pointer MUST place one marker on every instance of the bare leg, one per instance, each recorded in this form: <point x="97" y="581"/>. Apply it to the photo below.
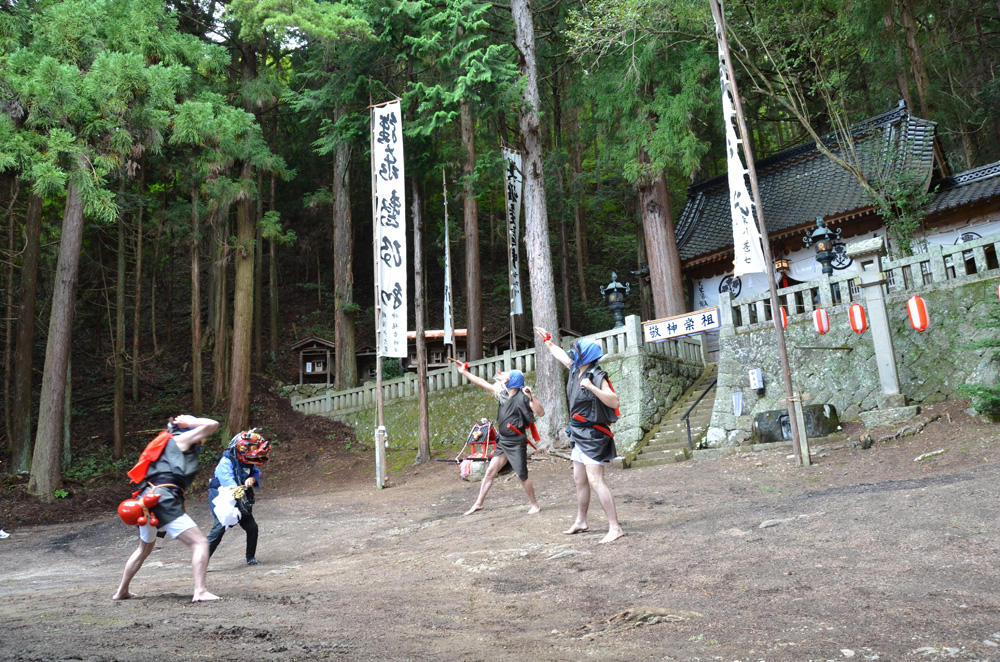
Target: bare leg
<point x="132" y="566"/>
<point x="582" y="499"/>
<point x="529" y="489"/>
<point x="198" y="544"/>
<point x="595" y="474"/>
<point x="496" y="464"/>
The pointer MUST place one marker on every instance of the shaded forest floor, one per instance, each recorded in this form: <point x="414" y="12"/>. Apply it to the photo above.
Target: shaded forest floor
<point x="867" y="554"/>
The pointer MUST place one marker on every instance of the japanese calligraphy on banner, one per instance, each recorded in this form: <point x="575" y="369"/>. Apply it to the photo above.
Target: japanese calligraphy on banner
<point x="512" y="194"/>
<point x="389" y="232"/>
<point x="747" y="253"/>
<point x="449" y="327"/>
<point x="687" y="324"/>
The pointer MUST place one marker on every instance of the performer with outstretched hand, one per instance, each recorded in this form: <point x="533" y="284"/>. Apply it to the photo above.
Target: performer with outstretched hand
<point x="516" y="414"/>
<point x="592" y="408"/>
<point x="165" y="469"/>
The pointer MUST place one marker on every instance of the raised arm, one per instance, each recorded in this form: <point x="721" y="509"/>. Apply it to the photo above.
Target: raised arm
<point x="196" y="430"/>
<point x="475" y="379"/>
<point x="558" y="352"/>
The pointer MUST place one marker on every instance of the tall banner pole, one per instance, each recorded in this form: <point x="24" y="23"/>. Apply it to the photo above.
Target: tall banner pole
<point x="751" y="255"/>
<point x="512" y="195"/>
<point x="389" y="243"/>
<point x="449" y="325"/>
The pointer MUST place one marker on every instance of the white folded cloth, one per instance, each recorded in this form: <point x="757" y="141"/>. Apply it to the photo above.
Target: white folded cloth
<point x="224" y="507"/>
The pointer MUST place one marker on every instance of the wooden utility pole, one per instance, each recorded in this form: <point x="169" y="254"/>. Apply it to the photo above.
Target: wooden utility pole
<point x="791" y="397"/>
<point x="423" y="422"/>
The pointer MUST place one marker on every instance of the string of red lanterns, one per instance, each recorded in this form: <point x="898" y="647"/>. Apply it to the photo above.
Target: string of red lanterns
<point x="916" y="308"/>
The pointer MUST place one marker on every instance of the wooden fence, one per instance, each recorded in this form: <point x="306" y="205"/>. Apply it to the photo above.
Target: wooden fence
<point x="971" y="260"/>
<point x="613" y="341"/>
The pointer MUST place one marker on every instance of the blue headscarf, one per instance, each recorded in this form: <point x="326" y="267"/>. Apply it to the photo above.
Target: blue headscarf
<point x="584" y="352"/>
<point x="515" y="379"/>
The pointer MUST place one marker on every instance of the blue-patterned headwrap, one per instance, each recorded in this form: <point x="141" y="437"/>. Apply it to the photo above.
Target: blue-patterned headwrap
<point x="584" y="352"/>
<point x="515" y="379"/>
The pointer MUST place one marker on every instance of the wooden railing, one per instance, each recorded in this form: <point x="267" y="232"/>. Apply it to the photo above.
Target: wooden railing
<point x="613" y="342"/>
<point x="971" y="260"/>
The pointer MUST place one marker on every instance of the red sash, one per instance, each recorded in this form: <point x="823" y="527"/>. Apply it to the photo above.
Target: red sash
<point x="534" y="433"/>
<point x="149" y="455"/>
<point x="596" y="426"/>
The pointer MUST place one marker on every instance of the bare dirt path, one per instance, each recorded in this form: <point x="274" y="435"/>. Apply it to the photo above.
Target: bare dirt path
<point x="868" y="555"/>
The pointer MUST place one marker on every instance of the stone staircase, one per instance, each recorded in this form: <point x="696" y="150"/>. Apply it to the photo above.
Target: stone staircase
<point x="668" y="442"/>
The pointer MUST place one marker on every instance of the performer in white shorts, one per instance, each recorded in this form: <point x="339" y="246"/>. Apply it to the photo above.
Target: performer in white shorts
<point x="591" y="401"/>
<point x="169" y="470"/>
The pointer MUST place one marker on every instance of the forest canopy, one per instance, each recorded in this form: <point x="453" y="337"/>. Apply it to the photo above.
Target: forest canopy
<point x="172" y="173"/>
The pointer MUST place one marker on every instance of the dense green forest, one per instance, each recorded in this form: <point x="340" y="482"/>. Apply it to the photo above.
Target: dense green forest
<point x="173" y="174"/>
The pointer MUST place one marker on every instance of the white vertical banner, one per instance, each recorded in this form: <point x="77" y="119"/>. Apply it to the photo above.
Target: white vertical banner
<point x="747" y="253"/>
<point x="512" y="195"/>
<point x="389" y="203"/>
<point x="449" y="325"/>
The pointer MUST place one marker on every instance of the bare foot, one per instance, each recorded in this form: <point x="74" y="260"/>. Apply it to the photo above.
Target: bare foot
<point x="613" y="534"/>
<point x="473" y="509"/>
<point x="534" y="509"/>
<point x="576" y="528"/>
<point x="123" y="596"/>
<point x="204" y="596"/>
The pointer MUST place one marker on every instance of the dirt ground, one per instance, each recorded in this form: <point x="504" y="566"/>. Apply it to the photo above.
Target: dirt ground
<point x="869" y="554"/>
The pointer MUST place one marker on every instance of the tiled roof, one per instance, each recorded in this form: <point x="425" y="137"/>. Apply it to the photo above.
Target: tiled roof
<point x="971" y="186"/>
<point x="800" y="183"/>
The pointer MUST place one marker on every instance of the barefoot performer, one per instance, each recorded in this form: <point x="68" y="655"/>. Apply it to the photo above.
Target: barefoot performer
<point x="592" y="405"/>
<point x="166" y="468"/>
<point x="516" y="413"/>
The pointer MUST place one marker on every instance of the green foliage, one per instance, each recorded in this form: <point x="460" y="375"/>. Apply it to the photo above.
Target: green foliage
<point x="61" y="494"/>
<point x="460" y="64"/>
<point x="96" y="464"/>
<point x="270" y="228"/>
<point x="284" y="20"/>
<point x="392" y="368"/>
<point x="902" y="206"/>
<point x="350" y="307"/>
<point x="649" y="85"/>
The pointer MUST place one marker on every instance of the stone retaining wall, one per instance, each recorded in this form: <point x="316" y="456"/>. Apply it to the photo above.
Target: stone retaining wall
<point x="839" y="368"/>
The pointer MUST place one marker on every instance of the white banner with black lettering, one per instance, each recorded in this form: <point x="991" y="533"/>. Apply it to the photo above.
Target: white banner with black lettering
<point x="512" y="194"/>
<point x="449" y="325"/>
<point x="748" y="257"/>
<point x="389" y="204"/>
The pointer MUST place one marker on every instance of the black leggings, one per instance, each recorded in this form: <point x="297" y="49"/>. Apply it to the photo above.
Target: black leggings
<point x="247" y="523"/>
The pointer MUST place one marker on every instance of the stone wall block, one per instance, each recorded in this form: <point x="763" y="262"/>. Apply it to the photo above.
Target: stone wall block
<point x="932" y="364"/>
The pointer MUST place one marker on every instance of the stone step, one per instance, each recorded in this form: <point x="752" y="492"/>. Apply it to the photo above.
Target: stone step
<point x="673" y="440"/>
<point x="660" y="444"/>
<point x="646" y="459"/>
<point x="681" y="430"/>
<point x="670" y="442"/>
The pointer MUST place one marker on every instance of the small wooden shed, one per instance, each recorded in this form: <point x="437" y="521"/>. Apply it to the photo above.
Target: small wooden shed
<point x="315" y="360"/>
<point x="437" y="351"/>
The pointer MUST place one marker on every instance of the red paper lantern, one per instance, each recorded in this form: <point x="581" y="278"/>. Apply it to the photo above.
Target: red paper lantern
<point x="858" y="320"/>
<point x="784" y="318"/>
<point x="821" y="321"/>
<point x="917" y="309"/>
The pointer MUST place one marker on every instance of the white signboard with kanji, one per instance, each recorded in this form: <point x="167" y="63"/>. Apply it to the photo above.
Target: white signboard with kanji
<point x="687" y="324"/>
